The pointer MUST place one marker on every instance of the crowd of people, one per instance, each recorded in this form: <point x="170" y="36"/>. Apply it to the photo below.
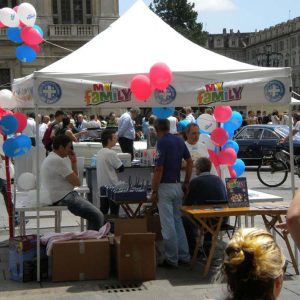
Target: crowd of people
<point x="253" y="263"/>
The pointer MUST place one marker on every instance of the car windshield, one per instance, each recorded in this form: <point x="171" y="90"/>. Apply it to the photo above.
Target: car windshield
<point x="284" y="131"/>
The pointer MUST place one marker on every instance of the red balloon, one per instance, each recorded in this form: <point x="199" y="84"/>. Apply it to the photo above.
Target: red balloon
<point x="22" y="121"/>
<point x="213" y="158"/>
<point x="227" y="157"/>
<point x="2" y="112"/>
<point x="141" y="87"/>
<point x="2" y="25"/>
<point x="232" y="172"/>
<point x="219" y="136"/>
<point x="31" y="36"/>
<point x="21" y="24"/>
<point x="16" y="8"/>
<point x="160" y="76"/>
<point x="222" y="113"/>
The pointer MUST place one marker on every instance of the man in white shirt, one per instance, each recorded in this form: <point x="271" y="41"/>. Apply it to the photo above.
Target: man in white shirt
<point x="189" y="114"/>
<point x="59" y="176"/>
<point x="173" y="124"/>
<point x="126" y="131"/>
<point x="196" y="148"/>
<point x="107" y="166"/>
<point x="30" y="128"/>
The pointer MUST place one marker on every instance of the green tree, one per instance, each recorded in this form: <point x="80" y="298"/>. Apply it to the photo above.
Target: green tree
<point x="181" y="16"/>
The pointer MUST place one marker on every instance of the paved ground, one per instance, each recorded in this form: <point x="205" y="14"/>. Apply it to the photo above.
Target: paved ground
<point x="182" y="283"/>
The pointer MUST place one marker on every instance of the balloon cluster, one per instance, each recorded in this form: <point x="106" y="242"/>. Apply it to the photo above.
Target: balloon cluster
<point x="160" y="76"/>
<point x="214" y="137"/>
<point x="20" y="21"/>
<point x="10" y="125"/>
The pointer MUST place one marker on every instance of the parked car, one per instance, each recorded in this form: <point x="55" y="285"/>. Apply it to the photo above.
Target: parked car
<point x="255" y="140"/>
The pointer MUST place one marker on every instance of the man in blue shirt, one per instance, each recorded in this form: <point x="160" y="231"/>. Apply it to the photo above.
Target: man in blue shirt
<point x="126" y="131"/>
<point x="167" y="192"/>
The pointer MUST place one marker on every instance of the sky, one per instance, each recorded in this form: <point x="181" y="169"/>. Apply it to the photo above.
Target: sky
<point x="243" y="15"/>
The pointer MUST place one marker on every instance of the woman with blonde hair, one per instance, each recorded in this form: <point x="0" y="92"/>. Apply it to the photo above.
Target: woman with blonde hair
<point x="253" y="266"/>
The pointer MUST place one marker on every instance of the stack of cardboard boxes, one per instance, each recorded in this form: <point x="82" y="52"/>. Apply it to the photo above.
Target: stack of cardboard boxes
<point x="131" y="251"/>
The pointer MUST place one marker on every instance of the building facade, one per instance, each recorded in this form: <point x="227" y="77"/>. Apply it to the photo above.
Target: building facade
<point x="67" y="25"/>
<point x="277" y="46"/>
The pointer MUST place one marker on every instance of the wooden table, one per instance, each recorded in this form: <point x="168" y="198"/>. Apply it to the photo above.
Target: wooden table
<point x="201" y="216"/>
<point x="132" y="208"/>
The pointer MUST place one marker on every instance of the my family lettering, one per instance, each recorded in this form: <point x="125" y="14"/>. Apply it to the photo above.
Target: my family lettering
<point x="216" y="92"/>
<point x="105" y="92"/>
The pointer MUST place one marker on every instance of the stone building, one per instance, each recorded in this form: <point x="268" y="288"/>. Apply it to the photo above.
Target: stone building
<point x="67" y="25"/>
<point x="277" y="46"/>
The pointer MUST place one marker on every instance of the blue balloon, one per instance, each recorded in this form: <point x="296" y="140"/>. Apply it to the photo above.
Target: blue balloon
<point x="229" y="127"/>
<point x="8" y="124"/>
<point x="236" y="120"/>
<point x="163" y="112"/>
<point x="233" y="145"/>
<point x="239" y="167"/>
<point x="14" y="34"/>
<point x="182" y="125"/>
<point x="39" y="29"/>
<point x="17" y="146"/>
<point x="25" y="53"/>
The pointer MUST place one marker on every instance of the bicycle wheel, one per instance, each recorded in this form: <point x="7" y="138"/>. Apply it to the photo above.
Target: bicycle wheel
<point x="274" y="174"/>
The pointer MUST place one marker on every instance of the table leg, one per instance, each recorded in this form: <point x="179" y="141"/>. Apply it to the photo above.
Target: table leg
<point x="271" y="225"/>
<point x="137" y="211"/>
<point x="22" y="223"/>
<point x="213" y="246"/>
<point x="127" y="210"/>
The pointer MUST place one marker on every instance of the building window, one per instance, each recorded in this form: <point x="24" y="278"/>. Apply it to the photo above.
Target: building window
<point x="8" y="3"/>
<point x="72" y="11"/>
<point x="218" y="42"/>
<point x="233" y="43"/>
<point x="281" y="45"/>
<point x="4" y="79"/>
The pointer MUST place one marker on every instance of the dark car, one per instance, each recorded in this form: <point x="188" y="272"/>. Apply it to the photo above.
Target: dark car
<point x="256" y="140"/>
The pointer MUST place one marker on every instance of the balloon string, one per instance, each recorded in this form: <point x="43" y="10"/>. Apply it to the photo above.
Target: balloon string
<point x="58" y="46"/>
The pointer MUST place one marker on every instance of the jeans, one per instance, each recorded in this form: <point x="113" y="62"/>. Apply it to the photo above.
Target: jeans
<point x="169" y="202"/>
<point x="83" y="208"/>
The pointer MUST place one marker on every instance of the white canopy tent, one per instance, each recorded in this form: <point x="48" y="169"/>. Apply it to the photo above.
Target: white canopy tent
<point x="99" y="73"/>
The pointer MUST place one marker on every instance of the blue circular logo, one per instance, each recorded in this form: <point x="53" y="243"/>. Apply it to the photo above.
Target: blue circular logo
<point x="165" y="97"/>
<point x="49" y="92"/>
<point x="274" y="91"/>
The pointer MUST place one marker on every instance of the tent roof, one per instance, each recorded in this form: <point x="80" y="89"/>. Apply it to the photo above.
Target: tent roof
<point x="139" y="39"/>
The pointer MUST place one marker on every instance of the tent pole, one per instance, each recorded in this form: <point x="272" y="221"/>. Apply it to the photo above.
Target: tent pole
<point x="37" y="145"/>
<point x="291" y="146"/>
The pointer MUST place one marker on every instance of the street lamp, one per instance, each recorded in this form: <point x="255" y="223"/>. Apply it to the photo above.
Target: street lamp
<point x="268" y="58"/>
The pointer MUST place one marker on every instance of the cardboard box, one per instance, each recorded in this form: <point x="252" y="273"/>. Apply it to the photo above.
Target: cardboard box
<point x="81" y="260"/>
<point x="130" y="226"/>
<point x="134" y="250"/>
<point x="135" y="256"/>
<point x="153" y="225"/>
<point x="23" y="259"/>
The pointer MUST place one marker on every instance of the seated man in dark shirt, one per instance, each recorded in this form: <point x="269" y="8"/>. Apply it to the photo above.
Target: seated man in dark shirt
<point x="205" y="189"/>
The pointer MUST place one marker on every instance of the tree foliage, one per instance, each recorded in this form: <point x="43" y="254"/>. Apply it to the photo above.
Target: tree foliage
<point x="181" y="16"/>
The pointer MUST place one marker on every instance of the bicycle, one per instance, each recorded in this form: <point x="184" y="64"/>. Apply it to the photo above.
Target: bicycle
<point x="275" y="166"/>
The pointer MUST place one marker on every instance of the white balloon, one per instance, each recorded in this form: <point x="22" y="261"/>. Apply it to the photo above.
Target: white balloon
<point x="1" y="145"/>
<point x="27" y="14"/>
<point x="7" y="99"/>
<point x="205" y="140"/>
<point x="207" y="122"/>
<point x="9" y="17"/>
<point x="26" y="181"/>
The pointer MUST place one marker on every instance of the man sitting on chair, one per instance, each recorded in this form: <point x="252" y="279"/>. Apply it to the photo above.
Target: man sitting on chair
<point x="59" y="176"/>
<point x="205" y="189"/>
